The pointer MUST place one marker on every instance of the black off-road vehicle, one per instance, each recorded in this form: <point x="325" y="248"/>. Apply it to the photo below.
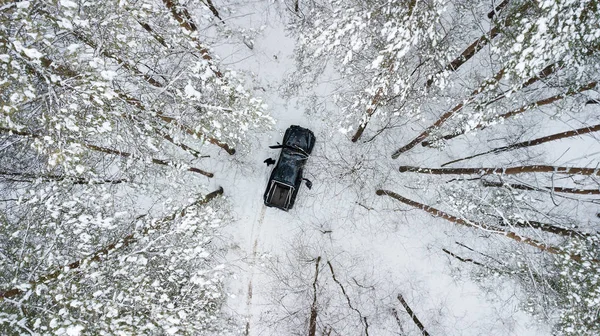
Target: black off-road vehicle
<point x="286" y="177"/>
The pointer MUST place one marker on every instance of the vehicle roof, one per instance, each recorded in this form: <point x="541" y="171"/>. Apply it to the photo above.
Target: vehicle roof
<point x="288" y="168"/>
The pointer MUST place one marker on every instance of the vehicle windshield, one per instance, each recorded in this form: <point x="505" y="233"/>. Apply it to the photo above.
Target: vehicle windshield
<point x="298" y="139"/>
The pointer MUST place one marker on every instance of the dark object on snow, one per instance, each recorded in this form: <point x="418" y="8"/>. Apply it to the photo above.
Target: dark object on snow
<point x="286" y="177"/>
<point x="269" y="161"/>
<point x="308" y="183"/>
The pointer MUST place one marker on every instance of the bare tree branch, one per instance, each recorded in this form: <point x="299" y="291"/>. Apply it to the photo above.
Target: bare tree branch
<point x="467" y="260"/>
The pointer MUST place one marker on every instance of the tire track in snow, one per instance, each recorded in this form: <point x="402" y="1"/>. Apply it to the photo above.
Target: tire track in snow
<point x="255" y="234"/>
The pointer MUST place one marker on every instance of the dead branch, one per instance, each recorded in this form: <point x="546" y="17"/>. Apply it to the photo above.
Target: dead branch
<point x="312" y="323"/>
<point x="124" y="242"/>
<point x="515" y="112"/>
<point x="534" y="142"/>
<point x="447" y="115"/>
<point x="412" y="315"/>
<point x="488" y="228"/>
<point x="503" y="171"/>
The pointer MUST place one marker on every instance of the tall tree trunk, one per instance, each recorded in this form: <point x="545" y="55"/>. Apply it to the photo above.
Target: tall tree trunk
<point x="534" y="142"/>
<point x="497" y="9"/>
<point x="154" y="34"/>
<point x="503" y="171"/>
<point x="214" y="10"/>
<point x="474" y="47"/>
<point x="447" y="115"/>
<point x="547" y="71"/>
<point x="468" y="53"/>
<point x="412" y="315"/>
<point x="138" y="104"/>
<point x="518" y="111"/>
<point x="488" y="228"/>
<point x="545" y="189"/>
<point x="110" y="151"/>
<point x="368" y="114"/>
<point x="153" y="160"/>
<point x="551" y="229"/>
<point x="30" y="177"/>
<point x="108" y="249"/>
<point x="183" y="16"/>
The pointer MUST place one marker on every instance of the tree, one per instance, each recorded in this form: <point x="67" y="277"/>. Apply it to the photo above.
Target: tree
<point x="432" y="71"/>
<point x="108" y="109"/>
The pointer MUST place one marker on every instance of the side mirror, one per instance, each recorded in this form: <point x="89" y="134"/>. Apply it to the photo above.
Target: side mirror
<point x="308" y="183"/>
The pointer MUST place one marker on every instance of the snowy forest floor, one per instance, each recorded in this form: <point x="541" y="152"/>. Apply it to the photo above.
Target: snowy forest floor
<point x="366" y="250"/>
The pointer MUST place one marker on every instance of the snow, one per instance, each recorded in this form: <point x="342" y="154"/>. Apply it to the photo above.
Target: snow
<point x="364" y="237"/>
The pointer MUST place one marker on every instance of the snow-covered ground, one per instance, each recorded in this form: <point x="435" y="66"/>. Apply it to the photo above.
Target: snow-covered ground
<point x="367" y="249"/>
